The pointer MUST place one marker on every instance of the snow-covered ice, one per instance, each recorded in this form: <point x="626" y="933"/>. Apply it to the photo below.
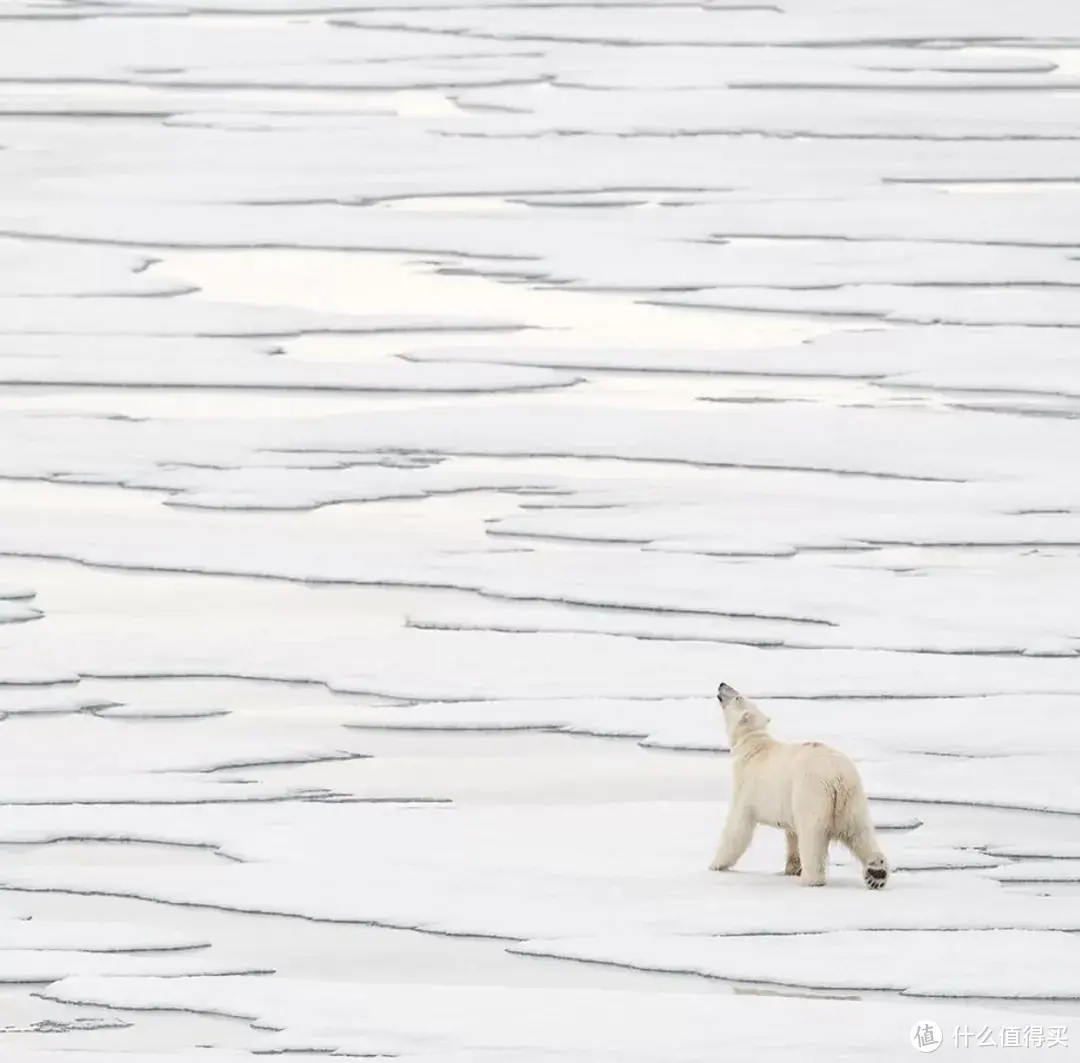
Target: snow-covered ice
<point x="439" y="1024"/>
<point x="409" y="412"/>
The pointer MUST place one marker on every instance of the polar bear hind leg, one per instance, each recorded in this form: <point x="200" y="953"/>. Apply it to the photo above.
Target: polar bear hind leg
<point x="863" y="845"/>
<point x="855" y="830"/>
<point x="812" y="812"/>
<point x="792" y="865"/>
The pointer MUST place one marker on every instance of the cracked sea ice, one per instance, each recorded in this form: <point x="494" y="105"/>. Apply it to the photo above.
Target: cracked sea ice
<point x="409" y="414"/>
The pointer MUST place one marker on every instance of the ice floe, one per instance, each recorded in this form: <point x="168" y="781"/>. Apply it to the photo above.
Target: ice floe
<point x="410" y="411"/>
<point x="1040" y="964"/>
<point x="436" y="1024"/>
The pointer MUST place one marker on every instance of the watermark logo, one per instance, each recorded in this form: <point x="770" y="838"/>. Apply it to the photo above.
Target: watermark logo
<point x="1012" y="1037"/>
<point x="926" y="1036"/>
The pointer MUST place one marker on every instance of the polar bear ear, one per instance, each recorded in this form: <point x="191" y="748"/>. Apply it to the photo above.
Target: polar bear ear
<point x="753" y="717"/>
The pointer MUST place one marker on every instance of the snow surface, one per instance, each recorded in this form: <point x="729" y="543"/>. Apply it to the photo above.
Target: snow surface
<point x="434" y="1024"/>
<point x="410" y="410"/>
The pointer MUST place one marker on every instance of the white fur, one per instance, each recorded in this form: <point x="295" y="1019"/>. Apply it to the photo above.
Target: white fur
<point x="811" y="792"/>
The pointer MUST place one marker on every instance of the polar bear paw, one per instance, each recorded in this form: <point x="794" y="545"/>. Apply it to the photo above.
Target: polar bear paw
<point x="876" y="873"/>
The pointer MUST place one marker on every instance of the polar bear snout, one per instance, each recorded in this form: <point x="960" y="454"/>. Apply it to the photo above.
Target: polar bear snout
<point x="726" y="693"/>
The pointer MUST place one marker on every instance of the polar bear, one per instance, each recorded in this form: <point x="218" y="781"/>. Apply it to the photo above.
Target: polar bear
<point x="811" y="792"/>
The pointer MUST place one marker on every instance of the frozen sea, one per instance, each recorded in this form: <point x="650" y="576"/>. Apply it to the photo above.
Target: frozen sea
<point x="410" y="410"/>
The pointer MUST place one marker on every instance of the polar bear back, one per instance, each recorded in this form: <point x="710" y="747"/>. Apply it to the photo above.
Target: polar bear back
<point x="785" y="782"/>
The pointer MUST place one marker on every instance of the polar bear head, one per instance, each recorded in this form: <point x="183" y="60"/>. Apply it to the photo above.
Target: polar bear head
<point x="741" y="715"/>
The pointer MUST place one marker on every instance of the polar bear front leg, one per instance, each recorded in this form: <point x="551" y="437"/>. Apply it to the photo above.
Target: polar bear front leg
<point x="792" y="865"/>
<point x="738" y="830"/>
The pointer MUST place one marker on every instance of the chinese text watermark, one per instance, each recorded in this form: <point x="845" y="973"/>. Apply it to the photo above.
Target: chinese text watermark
<point x="927" y="1037"/>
